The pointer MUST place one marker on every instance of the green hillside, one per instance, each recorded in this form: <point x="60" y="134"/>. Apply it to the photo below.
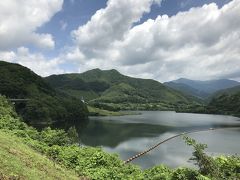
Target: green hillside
<point x="44" y="105"/>
<point x="109" y="86"/>
<point x="19" y="161"/>
<point x="226" y="102"/>
<point x="229" y="91"/>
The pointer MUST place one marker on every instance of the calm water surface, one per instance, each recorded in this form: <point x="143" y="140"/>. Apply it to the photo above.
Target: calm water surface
<point x="129" y="135"/>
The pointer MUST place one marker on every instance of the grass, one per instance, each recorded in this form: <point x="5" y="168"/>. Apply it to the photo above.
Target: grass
<point x="19" y="161"/>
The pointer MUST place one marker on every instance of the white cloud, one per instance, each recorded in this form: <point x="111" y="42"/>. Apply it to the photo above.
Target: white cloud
<point x="7" y="55"/>
<point x="35" y="61"/>
<point x="201" y="43"/>
<point x="110" y="24"/>
<point x="20" y="20"/>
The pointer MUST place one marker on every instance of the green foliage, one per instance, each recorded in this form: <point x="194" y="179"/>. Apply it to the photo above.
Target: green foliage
<point x="229" y="166"/>
<point x="158" y="172"/>
<point x="5" y="108"/>
<point x="223" y="167"/>
<point x="54" y="137"/>
<point x="94" y="163"/>
<point x="206" y="164"/>
<point x="45" y="105"/>
<point x="185" y="174"/>
<point x="72" y="134"/>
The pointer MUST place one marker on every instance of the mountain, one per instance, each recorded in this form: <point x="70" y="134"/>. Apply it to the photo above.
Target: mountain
<point x="201" y="89"/>
<point x="226" y="103"/>
<point x="109" y="86"/>
<point x="43" y="105"/>
<point x="228" y="91"/>
<point x="186" y="89"/>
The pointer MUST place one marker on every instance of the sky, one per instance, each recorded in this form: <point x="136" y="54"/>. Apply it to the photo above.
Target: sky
<point x="157" y="39"/>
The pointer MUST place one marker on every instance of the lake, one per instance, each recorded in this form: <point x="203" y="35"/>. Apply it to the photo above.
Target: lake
<point x="130" y="135"/>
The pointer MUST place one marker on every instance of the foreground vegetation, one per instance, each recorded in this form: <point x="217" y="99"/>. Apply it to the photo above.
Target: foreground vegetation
<point x="55" y="151"/>
<point x="19" y="161"/>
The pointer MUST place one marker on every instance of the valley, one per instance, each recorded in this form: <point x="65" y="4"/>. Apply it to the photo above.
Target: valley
<point x="95" y="108"/>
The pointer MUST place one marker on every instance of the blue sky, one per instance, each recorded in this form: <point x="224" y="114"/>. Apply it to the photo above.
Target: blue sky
<point x="74" y="13"/>
<point x="163" y="40"/>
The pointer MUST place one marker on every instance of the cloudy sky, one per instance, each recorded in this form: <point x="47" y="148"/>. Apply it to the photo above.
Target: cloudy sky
<point x="159" y="39"/>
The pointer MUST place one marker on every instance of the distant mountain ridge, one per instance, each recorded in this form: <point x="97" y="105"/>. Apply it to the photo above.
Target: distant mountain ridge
<point x="186" y="89"/>
<point x="202" y="89"/>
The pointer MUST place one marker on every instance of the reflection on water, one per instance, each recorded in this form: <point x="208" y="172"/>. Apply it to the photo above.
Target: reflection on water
<point x="129" y="135"/>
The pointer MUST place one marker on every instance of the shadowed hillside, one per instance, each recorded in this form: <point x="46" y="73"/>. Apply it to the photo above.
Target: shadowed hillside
<point x="45" y="105"/>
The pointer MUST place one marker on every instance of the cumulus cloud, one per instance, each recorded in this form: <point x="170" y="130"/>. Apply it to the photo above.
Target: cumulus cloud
<point x="202" y="43"/>
<point x="20" y="20"/>
<point x="110" y="24"/>
<point x="35" y="61"/>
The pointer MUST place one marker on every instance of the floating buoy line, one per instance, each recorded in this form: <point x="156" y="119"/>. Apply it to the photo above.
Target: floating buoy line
<point x="172" y="137"/>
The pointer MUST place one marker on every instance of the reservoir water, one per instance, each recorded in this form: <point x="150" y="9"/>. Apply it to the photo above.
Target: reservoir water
<point x="131" y="134"/>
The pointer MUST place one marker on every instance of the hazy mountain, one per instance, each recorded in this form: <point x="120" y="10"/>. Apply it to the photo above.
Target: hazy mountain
<point x="186" y="89"/>
<point x="201" y="89"/>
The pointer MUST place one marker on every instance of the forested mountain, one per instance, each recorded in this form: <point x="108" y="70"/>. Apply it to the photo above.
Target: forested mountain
<point x="225" y="104"/>
<point x="109" y="86"/>
<point x="225" y="101"/>
<point x="202" y="89"/>
<point x="229" y="91"/>
<point x="44" y="105"/>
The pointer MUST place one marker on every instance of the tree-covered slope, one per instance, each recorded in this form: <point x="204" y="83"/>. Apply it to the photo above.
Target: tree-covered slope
<point x="111" y="86"/>
<point x="44" y="105"/>
<point x="229" y="91"/>
<point x="226" y="102"/>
